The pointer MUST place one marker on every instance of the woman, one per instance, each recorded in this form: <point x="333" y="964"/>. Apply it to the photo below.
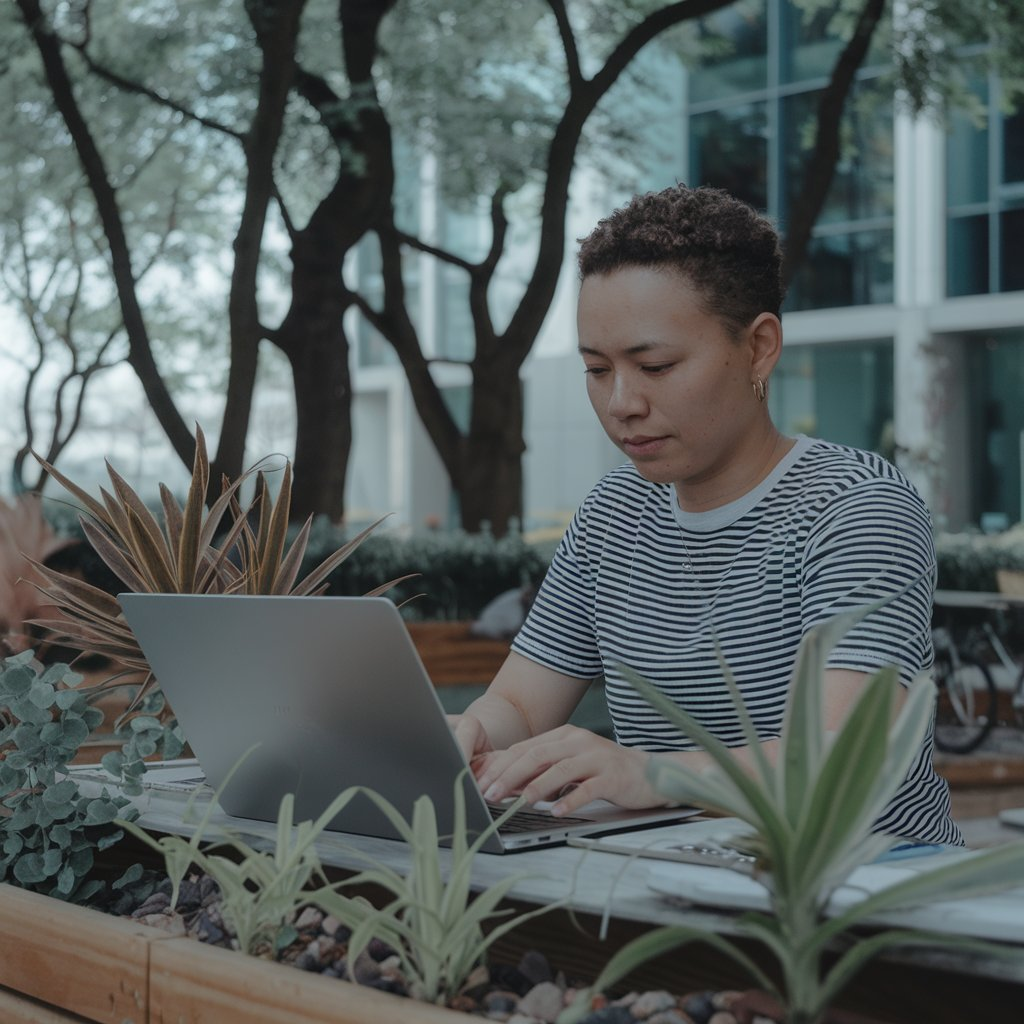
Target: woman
<point x="718" y="529"/>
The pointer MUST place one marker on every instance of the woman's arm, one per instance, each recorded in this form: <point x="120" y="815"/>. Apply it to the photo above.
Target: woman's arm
<point x="574" y="766"/>
<point x="524" y="700"/>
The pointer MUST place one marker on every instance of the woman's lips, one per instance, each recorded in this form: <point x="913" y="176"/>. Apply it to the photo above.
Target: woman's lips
<point x="641" y="445"/>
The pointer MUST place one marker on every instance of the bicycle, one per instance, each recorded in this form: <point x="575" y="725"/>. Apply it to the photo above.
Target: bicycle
<point x="1011" y="665"/>
<point x="967" y="705"/>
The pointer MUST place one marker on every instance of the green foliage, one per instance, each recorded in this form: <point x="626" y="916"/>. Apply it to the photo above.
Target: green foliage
<point x="810" y="816"/>
<point x="49" y="832"/>
<point x="458" y="572"/>
<point x="968" y="561"/>
<point x="433" y="921"/>
<point x="433" y="924"/>
<point x="198" y="546"/>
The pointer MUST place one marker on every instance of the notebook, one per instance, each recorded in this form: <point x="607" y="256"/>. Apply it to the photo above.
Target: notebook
<point x="693" y="863"/>
<point x="335" y="695"/>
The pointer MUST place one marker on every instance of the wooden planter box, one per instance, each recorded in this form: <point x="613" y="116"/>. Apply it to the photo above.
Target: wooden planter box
<point x="452" y="656"/>
<point x="62" y="963"/>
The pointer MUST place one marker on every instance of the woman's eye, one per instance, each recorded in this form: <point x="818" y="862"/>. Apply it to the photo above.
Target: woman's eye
<point x="658" y="368"/>
<point x="595" y="371"/>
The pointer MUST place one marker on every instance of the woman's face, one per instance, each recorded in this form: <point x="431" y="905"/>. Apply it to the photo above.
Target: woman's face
<point x="670" y="385"/>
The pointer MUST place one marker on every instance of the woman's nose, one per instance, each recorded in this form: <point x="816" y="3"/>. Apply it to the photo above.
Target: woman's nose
<point x="626" y="397"/>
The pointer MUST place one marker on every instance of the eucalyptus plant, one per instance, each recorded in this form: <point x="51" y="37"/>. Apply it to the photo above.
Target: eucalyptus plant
<point x="810" y="815"/>
<point x="433" y="922"/>
<point x="49" y="832"/>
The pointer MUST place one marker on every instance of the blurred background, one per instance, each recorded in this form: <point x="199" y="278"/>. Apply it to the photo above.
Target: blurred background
<point x="345" y="233"/>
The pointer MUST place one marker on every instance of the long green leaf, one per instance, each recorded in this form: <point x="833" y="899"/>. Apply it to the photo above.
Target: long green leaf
<point x="113" y="556"/>
<point x="188" y="541"/>
<point x="803" y="722"/>
<point x="94" y="507"/>
<point x="292" y="562"/>
<point x="846" y="782"/>
<point x="329" y="564"/>
<point x="981" y="872"/>
<point x="769" y="821"/>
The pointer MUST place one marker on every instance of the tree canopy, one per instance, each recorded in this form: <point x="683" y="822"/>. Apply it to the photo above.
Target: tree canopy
<point x="216" y="173"/>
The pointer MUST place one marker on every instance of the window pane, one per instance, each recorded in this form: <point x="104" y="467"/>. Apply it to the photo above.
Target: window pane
<point x="843" y="393"/>
<point x="735" y="41"/>
<point x="863" y="184"/>
<point x="1011" y="249"/>
<point x="850" y="269"/>
<point x="966" y="160"/>
<point x="1013" y="147"/>
<point x="996" y="424"/>
<point x="967" y="255"/>
<point x="729" y="149"/>
<point x="809" y="48"/>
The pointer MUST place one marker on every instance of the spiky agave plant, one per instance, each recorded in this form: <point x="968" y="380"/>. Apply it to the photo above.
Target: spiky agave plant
<point x="195" y="549"/>
<point x="810" y="816"/>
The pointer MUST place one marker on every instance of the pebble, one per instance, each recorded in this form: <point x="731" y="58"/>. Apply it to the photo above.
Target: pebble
<point x="609" y="1015"/>
<point x="726" y="999"/>
<point x="543" y="1001"/>
<point x="209" y="930"/>
<point x="511" y="978"/>
<point x="365" y="970"/>
<point x="173" y="924"/>
<point x="534" y="966"/>
<point x="652" y="1002"/>
<point x="699" y="1007"/>
<point x="500" y="1005"/>
<point x="309" y="919"/>
<point x="156" y="903"/>
<point x="189" y="896"/>
<point x="673" y="1016"/>
<point x="722" y="1017"/>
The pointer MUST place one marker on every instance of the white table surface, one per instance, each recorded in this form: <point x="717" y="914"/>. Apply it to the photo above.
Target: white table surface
<point x="592" y="881"/>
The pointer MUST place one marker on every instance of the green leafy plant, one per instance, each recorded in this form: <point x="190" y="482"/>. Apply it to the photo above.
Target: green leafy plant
<point x="49" y="832"/>
<point x="200" y="546"/>
<point x="434" y="923"/>
<point x="810" y="816"/>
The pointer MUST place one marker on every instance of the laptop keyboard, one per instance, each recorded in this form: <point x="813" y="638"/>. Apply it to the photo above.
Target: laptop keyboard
<point x="528" y="820"/>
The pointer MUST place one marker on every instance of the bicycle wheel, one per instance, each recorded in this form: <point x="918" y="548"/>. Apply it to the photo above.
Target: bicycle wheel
<point x="1017" y="701"/>
<point x="967" y="705"/>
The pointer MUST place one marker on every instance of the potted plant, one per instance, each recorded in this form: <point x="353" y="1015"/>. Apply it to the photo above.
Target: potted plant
<point x="201" y="546"/>
<point x="809" y="818"/>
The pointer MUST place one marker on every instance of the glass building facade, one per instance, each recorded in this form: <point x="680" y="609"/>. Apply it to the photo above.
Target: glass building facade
<point x="904" y="322"/>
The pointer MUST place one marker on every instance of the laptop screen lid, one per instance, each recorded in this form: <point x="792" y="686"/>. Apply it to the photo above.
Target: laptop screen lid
<point x="334" y="693"/>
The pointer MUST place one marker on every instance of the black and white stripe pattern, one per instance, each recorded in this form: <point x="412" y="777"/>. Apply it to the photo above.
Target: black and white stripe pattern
<point x="639" y="582"/>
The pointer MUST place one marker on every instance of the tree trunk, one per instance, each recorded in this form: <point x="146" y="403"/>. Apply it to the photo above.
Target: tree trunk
<point x="313" y="338"/>
<point x="492" y="474"/>
<point x="323" y="434"/>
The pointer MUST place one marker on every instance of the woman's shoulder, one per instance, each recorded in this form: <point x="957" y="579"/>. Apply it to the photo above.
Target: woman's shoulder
<point x="836" y="466"/>
<point x="846" y="487"/>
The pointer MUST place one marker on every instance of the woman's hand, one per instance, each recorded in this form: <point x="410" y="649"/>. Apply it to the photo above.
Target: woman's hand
<point x="471" y="737"/>
<point x="571" y="766"/>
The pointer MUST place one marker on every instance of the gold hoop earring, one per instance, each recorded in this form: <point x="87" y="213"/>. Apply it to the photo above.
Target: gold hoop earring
<point x="760" y="387"/>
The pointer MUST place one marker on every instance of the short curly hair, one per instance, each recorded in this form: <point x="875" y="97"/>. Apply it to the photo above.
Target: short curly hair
<point x="726" y="248"/>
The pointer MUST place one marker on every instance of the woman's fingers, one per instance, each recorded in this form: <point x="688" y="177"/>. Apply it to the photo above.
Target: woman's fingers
<point x="570" y="766"/>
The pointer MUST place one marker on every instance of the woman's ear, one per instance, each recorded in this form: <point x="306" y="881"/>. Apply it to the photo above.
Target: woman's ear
<point x="764" y="334"/>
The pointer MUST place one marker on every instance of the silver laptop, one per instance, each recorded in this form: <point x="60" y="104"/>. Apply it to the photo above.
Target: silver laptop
<point x="334" y="693"/>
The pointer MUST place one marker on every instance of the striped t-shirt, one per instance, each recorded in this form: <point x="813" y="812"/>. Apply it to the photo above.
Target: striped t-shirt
<point x="640" y="582"/>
